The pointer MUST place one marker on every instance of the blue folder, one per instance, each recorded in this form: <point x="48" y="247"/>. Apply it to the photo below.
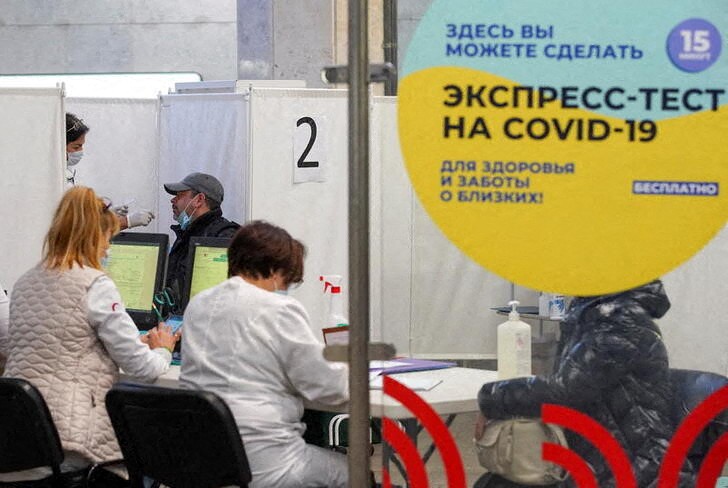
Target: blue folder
<point x="407" y="365"/>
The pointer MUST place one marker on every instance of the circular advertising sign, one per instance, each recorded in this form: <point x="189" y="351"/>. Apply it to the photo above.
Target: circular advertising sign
<point x="570" y="146"/>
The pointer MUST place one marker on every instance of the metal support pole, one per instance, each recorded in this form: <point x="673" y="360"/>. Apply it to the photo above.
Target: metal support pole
<point x="390" y="44"/>
<point x="358" y="244"/>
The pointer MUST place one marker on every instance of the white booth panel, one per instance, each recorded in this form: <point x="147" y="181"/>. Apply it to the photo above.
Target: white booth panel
<point x="695" y="328"/>
<point x="206" y="133"/>
<point x="243" y="86"/>
<point x="313" y="210"/>
<point x="233" y="86"/>
<point x="32" y="137"/>
<point x="435" y="301"/>
<point x="392" y="203"/>
<point x="427" y="297"/>
<point x="451" y="297"/>
<point x="121" y="151"/>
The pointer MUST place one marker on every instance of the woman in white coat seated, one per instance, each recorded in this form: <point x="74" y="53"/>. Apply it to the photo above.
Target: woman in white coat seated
<point x="252" y="345"/>
<point x="69" y="332"/>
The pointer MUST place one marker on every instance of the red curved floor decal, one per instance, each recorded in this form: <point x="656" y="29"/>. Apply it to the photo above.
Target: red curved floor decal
<point x="435" y="427"/>
<point x="386" y="481"/>
<point x="686" y="434"/>
<point x="713" y="463"/>
<point x="400" y="442"/>
<point x="598" y="435"/>
<point x="577" y="468"/>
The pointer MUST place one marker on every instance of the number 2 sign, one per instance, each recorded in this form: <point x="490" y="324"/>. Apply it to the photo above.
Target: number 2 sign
<point x="309" y="149"/>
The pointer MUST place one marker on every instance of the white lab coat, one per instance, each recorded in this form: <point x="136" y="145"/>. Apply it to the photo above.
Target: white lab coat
<point x="256" y="350"/>
<point x="120" y="336"/>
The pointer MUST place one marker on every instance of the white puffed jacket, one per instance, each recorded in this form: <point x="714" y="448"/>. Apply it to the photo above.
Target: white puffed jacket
<point x="69" y="335"/>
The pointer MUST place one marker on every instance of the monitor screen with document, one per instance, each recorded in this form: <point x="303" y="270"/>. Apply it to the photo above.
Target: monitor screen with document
<point x="137" y="265"/>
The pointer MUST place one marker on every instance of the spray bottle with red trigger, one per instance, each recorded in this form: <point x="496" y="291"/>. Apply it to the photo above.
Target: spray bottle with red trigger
<point x="332" y="288"/>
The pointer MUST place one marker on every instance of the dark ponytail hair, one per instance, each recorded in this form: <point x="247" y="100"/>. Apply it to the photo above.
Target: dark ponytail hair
<point x="75" y="127"/>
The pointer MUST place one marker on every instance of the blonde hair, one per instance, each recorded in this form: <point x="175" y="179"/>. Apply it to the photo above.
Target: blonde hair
<point x="81" y="227"/>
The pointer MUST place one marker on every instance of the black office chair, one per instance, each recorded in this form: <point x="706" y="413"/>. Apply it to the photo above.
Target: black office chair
<point x="181" y="438"/>
<point x="29" y="439"/>
<point x="690" y="388"/>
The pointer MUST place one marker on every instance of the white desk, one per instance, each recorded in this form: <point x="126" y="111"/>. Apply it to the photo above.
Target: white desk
<point x="456" y="394"/>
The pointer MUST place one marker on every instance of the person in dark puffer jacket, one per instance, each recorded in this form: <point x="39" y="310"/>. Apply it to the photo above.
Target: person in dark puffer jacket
<point x="611" y="365"/>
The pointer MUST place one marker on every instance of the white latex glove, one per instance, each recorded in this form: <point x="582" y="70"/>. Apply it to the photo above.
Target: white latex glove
<point x="121" y="210"/>
<point x="140" y="217"/>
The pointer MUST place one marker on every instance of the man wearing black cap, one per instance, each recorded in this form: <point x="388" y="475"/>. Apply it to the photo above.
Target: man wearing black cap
<point x="196" y="208"/>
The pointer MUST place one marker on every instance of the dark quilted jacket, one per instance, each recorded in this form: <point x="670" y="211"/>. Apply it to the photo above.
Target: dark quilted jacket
<point x="611" y="365"/>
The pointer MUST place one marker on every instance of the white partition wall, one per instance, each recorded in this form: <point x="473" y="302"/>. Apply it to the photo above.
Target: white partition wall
<point x="121" y="151"/>
<point x="313" y="211"/>
<point x="427" y="298"/>
<point x="433" y="296"/>
<point x="206" y="133"/>
<point x="32" y="138"/>
<point x="453" y="296"/>
<point x="696" y="326"/>
<point x="392" y="210"/>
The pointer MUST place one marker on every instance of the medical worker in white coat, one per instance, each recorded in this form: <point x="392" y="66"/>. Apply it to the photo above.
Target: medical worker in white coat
<point x="76" y="130"/>
<point x="252" y="345"/>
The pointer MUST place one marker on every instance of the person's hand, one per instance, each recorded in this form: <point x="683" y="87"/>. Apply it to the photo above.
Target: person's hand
<point x="140" y="217"/>
<point x="144" y="338"/>
<point x="121" y="210"/>
<point x="161" y="336"/>
<point x="480" y="423"/>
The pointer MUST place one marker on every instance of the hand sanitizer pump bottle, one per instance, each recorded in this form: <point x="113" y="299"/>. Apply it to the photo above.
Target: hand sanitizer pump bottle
<point x="332" y="288"/>
<point x="514" y="346"/>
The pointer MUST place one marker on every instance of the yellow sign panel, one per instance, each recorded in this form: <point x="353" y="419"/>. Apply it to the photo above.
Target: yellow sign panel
<point x="554" y="196"/>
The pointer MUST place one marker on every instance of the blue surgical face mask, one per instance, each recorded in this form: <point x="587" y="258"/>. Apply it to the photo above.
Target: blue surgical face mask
<point x="183" y="218"/>
<point x="279" y="291"/>
<point x="292" y="287"/>
<point x="74" y="158"/>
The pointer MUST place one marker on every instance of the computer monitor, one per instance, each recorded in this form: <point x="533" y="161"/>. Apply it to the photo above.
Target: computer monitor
<point x="207" y="265"/>
<point x="137" y="264"/>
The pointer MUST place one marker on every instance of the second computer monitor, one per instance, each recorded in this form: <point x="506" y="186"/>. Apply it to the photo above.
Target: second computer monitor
<point x="137" y="263"/>
<point x="207" y="265"/>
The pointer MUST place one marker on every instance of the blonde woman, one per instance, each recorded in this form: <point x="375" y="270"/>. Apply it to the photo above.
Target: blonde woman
<point x="69" y="333"/>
